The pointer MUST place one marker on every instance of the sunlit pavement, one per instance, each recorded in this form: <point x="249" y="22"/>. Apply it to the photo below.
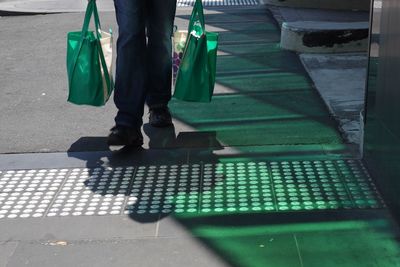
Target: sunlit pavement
<point x="258" y="177"/>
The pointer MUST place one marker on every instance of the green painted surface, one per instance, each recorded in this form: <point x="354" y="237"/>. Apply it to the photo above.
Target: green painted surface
<point x="232" y="16"/>
<point x="240" y="107"/>
<point x="239" y="37"/>
<point x="278" y="118"/>
<point x="245" y="249"/>
<point x="370" y="247"/>
<point x="277" y="224"/>
<point x="265" y="82"/>
<point x="280" y="131"/>
<point x="235" y="16"/>
<point x="253" y="48"/>
<point x="321" y="240"/>
<point x="268" y="153"/>
<point x="273" y="61"/>
<point x="246" y="27"/>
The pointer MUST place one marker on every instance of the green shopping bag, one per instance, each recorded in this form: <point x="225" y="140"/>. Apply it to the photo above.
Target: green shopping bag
<point x="89" y="62"/>
<point x="196" y="75"/>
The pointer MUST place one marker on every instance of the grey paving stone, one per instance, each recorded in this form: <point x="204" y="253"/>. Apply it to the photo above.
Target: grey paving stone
<point x="75" y="228"/>
<point x="6" y="251"/>
<point x="121" y="157"/>
<point x="166" y="252"/>
<point x="48" y="160"/>
<point x="340" y="80"/>
<point x="36" y="77"/>
<point x="173" y="228"/>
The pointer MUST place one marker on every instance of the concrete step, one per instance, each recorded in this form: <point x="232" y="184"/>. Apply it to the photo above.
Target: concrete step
<point x="324" y="37"/>
<point x="322" y="4"/>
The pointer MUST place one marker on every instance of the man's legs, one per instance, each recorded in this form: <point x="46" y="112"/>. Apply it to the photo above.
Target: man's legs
<point x="143" y="70"/>
<point x="130" y="91"/>
<point x="160" y="24"/>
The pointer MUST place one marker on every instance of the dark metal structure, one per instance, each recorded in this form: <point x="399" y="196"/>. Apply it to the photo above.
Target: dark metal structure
<point x="382" y="114"/>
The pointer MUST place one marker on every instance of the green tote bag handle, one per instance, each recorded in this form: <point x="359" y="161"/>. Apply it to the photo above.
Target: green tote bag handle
<point x="91" y="10"/>
<point x="197" y="22"/>
<point x="102" y="58"/>
<point x="85" y="28"/>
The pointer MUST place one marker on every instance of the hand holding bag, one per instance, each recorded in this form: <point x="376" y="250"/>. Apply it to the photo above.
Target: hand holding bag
<point x="196" y="75"/>
<point x="89" y="62"/>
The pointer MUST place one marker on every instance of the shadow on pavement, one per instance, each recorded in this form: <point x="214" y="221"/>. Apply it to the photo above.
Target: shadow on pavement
<point x="154" y="179"/>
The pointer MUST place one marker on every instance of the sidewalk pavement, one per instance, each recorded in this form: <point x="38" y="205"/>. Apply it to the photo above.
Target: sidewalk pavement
<point x="12" y="7"/>
<point x="258" y="177"/>
<point x="339" y="78"/>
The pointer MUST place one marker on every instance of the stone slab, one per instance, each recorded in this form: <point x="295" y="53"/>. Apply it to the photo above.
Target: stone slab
<point x="167" y="252"/>
<point x="6" y="251"/>
<point x="340" y="5"/>
<point x="75" y="228"/>
<point x="340" y="79"/>
<point x="118" y="157"/>
<point x="324" y="37"/>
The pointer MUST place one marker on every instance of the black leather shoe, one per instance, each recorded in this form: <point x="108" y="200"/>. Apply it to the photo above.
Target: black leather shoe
<point x="124" y="136"/>
<point x="160" y="117"/>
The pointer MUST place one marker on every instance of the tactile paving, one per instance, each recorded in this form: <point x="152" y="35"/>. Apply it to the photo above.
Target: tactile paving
<point x="93" y="192"/>
<point x="229" y="187"/>
<point x="236" y="187"/>
<point x="359" y="184"/>
<point x="28" y="193"/>
<point x="165" y="189"/>
<point x="309" y="185"/>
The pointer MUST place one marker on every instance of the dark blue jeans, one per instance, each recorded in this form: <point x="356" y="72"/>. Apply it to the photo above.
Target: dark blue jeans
<point x="143" y="70"/>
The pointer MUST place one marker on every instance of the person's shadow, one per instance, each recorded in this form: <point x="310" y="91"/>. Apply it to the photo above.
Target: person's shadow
<point x="156" y="181"/>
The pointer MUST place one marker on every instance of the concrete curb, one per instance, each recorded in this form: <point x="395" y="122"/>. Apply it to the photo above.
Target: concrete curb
<point x="324" y="37"/>
<point x="324" y="4"/>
